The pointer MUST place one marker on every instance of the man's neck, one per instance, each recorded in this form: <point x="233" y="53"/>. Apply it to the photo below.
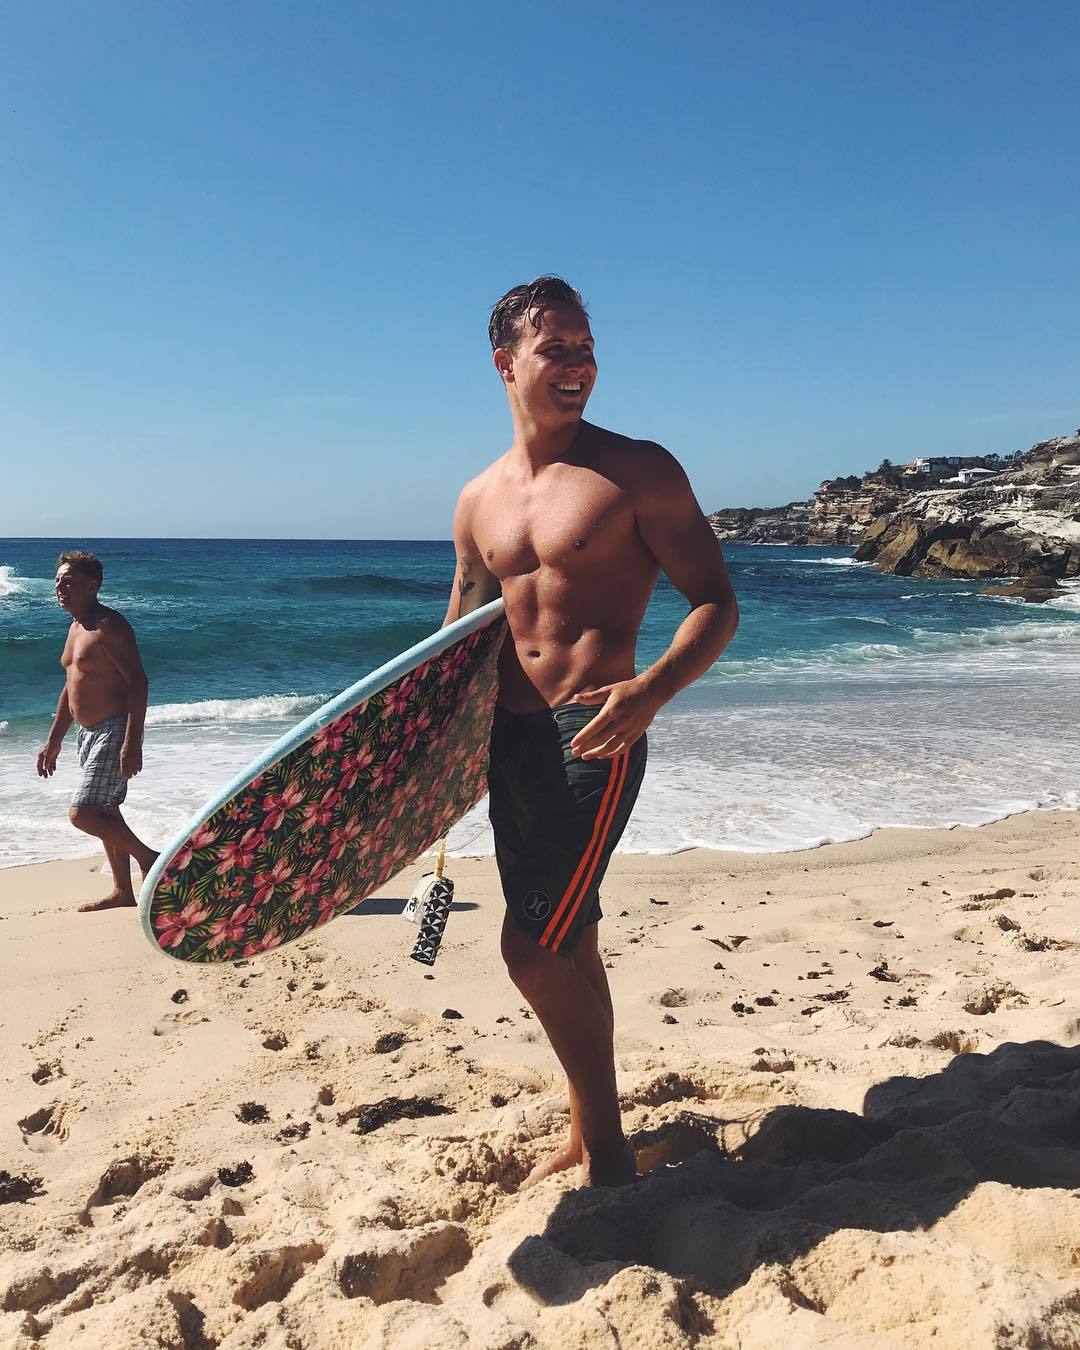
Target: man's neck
<point x="539" y="446"/>
<point x="87" y="617"/>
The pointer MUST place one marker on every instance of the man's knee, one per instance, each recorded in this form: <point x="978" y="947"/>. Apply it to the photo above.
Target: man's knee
<point x="89" y="819"/>
<point x="527" y="963"/>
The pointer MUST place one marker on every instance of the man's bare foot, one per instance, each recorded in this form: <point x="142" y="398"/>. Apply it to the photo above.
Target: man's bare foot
<point x="618" y="1170"/>
<point x="568" y="1156"/>
<point x="114" y="901"/>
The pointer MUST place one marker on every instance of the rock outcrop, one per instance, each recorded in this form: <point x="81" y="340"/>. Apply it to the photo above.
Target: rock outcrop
<point x="838" y="515"/>
<point x="764" y="524"/>
<point x="1022" y="522"/>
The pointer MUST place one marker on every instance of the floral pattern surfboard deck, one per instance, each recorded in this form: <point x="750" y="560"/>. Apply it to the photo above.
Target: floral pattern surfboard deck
<point x="335" y="809"/>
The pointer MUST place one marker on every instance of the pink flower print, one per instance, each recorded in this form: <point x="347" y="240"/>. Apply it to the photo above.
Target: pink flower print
<point x="240" y="853"/>
<point x="343" y="838"/>
<point x="395" y="702"/>
<point x="272" y="939"/>
<point x="232" y="928"/>
<point x="353" y="765"/>
<point x="329" y="905"/>
<point x="276" y="805"/>
<point x="387" y="771"/>
<point x="173" y="928"/>
<point x="403" y="794"/>
<point x="202" y="836"/>
<point x="415" y="728"/>
<point x="304" y="886"/>
<point x="425" y="807"/>
<point x="311" y="881"/>
<point x="331" y="737"/>
<point x="455" y="663"/>
<point x="320" y="813"/>
<point x="266" y="883"/>
<point x="396" y="856"/>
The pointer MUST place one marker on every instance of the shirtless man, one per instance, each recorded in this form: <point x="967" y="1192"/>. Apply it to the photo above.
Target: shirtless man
<point x="105" y="692"/>
<point x="572" y="526"/>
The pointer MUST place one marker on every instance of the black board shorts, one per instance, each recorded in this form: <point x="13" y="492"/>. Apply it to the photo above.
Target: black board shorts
<point x="556" y="819"/>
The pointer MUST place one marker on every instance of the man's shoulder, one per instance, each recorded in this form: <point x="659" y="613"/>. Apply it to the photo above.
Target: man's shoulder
<point x="642" y="463"/>
<point x="475" y="487"/>
<point x="112" y="621"/>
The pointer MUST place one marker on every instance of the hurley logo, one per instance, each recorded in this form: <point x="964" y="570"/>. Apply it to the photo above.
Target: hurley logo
<point x="536" y="905"/>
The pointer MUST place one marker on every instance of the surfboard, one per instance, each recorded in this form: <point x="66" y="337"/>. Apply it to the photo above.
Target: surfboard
<point x="330" y="812"/>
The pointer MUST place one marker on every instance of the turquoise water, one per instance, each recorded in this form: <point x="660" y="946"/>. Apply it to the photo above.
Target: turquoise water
<point x="848" y="700"/>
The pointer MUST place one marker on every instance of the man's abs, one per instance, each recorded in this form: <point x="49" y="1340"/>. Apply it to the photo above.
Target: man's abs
<point x="555" y="651"/>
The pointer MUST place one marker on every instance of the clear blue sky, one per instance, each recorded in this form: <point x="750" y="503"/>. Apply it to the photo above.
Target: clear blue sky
<point x="247" y="248"/>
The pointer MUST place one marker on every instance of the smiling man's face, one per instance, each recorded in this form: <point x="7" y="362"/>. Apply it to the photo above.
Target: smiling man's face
<point x="552" y="368"/>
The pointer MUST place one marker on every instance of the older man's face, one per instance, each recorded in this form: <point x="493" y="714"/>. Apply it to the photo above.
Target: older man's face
<point x="75" y="589"/>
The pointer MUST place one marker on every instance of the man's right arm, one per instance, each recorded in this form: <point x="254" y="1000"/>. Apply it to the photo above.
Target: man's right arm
<point x="48" y="755"/>
<point x="474" y="585"/>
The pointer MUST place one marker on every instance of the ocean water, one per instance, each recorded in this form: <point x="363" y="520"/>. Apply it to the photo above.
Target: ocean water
<point x="849" y="700"/>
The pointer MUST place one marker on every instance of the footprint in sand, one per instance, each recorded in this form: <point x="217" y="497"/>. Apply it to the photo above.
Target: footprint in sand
<point x="45" y="1129"/>
<point x="124" y="1178"/>
<point x="991" y="997"/>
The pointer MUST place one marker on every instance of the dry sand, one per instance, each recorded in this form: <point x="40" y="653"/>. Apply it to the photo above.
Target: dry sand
<point x="851" y="1076"/>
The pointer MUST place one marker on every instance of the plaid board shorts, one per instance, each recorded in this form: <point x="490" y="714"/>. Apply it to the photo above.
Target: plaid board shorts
<point x="556" y="820"/>
<point x="99" y="758"/>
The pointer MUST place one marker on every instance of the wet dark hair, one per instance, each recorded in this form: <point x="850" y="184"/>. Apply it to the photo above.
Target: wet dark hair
<point x="535" y="298"/>
<point x="84" y="562"/>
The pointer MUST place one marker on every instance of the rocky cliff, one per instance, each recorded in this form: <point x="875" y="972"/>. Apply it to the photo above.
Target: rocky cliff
<point x="1023" y="522"/>
<point x="837" y="515"/>
<point x="763" y="524"/>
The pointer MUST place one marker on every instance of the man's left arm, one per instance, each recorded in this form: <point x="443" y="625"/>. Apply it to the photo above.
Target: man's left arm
<point x="674" y="528"/>
<point x="118" y="639"/>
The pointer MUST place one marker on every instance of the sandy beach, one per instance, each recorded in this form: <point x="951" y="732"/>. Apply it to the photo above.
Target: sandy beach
<point x="851" y="1077"/>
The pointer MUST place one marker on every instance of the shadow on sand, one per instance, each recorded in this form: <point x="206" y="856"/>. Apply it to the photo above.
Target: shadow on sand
<point x="920" y="1146"/>
<point x="388" y="906"/>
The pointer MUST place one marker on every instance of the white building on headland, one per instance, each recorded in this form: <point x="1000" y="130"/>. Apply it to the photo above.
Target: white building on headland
<point x="966" y="467"/>
<point x="970" y="476"/>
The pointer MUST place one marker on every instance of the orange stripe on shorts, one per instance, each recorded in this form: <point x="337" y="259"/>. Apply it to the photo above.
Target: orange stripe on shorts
<point x="579" y="883"/>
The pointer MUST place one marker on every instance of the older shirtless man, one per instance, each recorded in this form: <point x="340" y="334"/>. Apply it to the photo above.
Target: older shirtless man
<point x="572" y="526"/>
<point x="105" y="692"/>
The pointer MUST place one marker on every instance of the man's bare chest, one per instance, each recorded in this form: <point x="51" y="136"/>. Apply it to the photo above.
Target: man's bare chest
<point x="567" y="528"/>
<point x="85" y="654"/>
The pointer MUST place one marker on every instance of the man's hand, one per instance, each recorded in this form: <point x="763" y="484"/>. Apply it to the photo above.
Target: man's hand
<point x="46" y="760"/>
<point x="627" y="711"/>
<point x="130" y="760"/>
